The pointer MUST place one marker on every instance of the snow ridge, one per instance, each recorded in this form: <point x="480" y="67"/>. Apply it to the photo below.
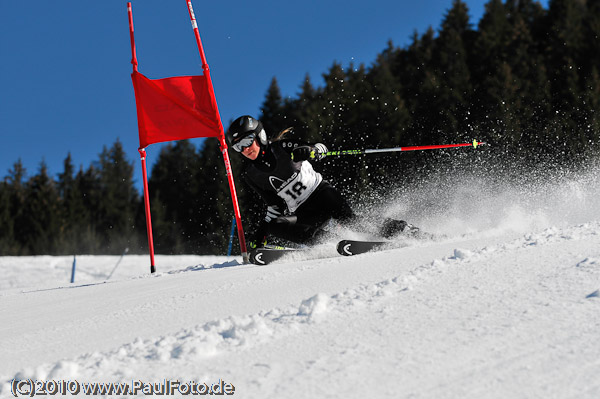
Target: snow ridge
<point x="240" y="333"/>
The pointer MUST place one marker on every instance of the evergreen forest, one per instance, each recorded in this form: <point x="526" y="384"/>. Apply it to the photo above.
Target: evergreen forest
<point x="525" y="80"/>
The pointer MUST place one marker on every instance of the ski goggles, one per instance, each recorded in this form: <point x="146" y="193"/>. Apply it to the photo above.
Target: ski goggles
<point x="244" y="143"/>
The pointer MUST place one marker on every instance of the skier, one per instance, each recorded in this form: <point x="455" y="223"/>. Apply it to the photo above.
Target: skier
<point x="299" y="201"/>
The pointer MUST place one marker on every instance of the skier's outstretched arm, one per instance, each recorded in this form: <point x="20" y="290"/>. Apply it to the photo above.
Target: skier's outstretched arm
<point x="309" y="152"/>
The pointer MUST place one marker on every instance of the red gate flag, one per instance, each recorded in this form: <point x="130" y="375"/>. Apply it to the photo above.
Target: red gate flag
<point x="178" y="108"/>
<point x="174" y="108"/>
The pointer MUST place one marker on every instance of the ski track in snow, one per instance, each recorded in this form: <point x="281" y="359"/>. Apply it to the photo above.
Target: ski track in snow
<point x="512" y="318"/>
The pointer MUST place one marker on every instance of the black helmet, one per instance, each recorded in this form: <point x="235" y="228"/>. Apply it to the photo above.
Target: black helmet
<point x="245" y="127"/>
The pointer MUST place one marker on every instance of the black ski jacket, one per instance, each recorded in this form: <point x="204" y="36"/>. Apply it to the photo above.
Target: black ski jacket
<point x="281" y="182"/>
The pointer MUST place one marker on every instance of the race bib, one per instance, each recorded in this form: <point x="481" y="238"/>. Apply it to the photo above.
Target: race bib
<point x="299" y="186"/>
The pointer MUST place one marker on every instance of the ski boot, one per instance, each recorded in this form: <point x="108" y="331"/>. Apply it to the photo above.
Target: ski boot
<point x="392" y="227"/>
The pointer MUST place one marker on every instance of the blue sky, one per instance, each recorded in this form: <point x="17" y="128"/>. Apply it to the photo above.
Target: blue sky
<point x="65" y="65"/>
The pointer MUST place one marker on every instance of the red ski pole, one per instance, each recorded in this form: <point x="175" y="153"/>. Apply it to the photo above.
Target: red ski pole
<point x="474" y="144"/>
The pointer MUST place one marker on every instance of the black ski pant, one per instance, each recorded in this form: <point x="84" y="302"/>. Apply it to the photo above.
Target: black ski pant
<point x="305" y="226"/>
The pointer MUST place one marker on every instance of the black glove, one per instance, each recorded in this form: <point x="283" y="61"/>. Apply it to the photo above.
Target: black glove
<point x="307" y="152"/>
<point x="303" y="153"/>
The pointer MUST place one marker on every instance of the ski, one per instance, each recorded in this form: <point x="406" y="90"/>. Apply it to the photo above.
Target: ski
<point x="265" y="255"/>
<point x="353" y="247"/>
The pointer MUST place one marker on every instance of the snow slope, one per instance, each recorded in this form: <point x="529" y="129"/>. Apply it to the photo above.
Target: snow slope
<point x="505" y="305"/>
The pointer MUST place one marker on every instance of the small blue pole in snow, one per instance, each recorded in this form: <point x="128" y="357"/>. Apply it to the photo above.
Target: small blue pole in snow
<point x="73" y="269"/>
<point x="231" y="237"/>
<point x="119" y="261"/>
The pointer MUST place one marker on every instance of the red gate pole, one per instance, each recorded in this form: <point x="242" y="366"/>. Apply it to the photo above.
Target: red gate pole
<point x="223" y="143"/>
<point x="142" y="152"/>
<point x="133" y="55"/>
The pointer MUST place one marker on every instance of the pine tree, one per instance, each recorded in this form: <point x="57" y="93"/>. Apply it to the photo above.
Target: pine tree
<point x="6" y="220"/>
<point x="382" y="117"/>
<point x="214" y="210"/>
<point x="388" y="114"/>
<point x="175" y="184"/>
<point x="591" y="108"/>
<point x="591" y="31"/>
<point x="565" y="49"/>
<point x="357" y="109"/>
<point x="41" y="214"/>
<point x="16" y="193"/>
<point x="590" y="71"/>
<point x="496" y="100"/>
<point x="415" y="69"/>
<point x="73" y="214"/>
<point x="333" y="103"/>
<point x="452" y="74"/>
<point x="303" y="110"/>
<point x="119" y="200"/>
<point x="526" y="59"/>
<point x="90" y="228"/>
<point x="272" y="115"/>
